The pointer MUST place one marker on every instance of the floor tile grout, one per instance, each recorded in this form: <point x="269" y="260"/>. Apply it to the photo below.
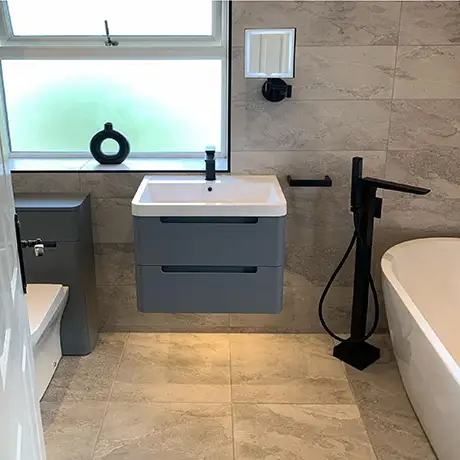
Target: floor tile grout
<point x="231" y="395"/>
<point x="110" y="395"/>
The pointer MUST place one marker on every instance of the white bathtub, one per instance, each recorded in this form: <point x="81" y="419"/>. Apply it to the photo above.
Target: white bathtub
<point x="421" y="283"/>
<point x="45" y="304"/>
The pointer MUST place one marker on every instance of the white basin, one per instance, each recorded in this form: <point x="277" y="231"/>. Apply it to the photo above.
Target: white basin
<point x="242" y="196"/>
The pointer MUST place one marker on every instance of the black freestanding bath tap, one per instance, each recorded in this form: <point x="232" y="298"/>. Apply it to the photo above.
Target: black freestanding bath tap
<point x="366" y="207"/>
<point x="210" y="161"/>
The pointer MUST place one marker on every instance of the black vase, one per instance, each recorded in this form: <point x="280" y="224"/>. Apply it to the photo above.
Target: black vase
<point x="100" y="137"/>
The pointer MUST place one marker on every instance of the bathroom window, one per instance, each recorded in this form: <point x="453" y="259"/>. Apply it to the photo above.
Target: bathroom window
<point x="160" y="75"/>
<point x="133" y="17"/>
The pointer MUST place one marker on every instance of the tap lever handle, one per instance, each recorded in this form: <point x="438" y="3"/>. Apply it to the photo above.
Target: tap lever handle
<point x="395" y="186"/>
<point x="210" y="153"/>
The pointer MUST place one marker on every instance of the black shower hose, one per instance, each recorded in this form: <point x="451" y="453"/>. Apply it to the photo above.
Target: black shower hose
<point x="355" y="237"/>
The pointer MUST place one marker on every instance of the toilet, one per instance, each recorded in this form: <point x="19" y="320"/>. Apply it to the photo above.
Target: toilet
<point x="45" y="304"/>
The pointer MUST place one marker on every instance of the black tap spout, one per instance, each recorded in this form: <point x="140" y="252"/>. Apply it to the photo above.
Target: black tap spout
<point x="210" y="162"/>
<point x="396" y="187"/>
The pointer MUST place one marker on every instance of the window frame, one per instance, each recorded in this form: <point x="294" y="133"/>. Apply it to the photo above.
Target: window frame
<point x="191" y="47"/>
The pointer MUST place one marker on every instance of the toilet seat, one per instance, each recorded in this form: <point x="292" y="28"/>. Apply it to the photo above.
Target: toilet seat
<point x="44" y="303"/>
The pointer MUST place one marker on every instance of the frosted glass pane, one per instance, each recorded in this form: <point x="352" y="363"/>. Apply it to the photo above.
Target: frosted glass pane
<point x="133" y="17"/>
<point x="161" y="106"/>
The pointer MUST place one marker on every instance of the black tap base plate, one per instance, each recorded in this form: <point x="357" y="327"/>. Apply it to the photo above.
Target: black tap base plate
<point x="357" y="354"/>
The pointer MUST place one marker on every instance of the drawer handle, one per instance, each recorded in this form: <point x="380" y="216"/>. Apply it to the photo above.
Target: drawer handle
<point x="209" y="220"/>
<point x="204" y="269"/>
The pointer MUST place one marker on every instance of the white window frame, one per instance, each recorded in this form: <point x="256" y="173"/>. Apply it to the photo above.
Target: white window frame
<point x="190" y="47"/>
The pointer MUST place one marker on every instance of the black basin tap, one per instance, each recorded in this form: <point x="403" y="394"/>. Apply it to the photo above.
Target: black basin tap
<point x="210" y="161"/>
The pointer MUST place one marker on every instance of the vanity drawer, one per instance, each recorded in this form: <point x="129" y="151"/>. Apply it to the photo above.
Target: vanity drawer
<point x="173" y="289"/>
<point x="212" y="241"/>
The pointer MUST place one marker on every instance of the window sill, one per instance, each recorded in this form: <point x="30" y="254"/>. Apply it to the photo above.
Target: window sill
<point x="85" y="165"/>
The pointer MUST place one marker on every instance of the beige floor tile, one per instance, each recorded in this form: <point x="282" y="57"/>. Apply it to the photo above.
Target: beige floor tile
<point x="81" y="378"/>
<point x="271" y="368"/>
<point x="174" y="368"/>
<point x="300" y="432"/>
<point x="171" y="431"/>
<point x="391" y="423"/>
<point x="71" y="428"/>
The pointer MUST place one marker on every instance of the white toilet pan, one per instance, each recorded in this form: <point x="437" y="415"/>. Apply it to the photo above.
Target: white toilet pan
<point x="46" y="303"/>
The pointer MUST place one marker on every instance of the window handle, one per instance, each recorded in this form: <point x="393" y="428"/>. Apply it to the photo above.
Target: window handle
<point x="109" y="41"/>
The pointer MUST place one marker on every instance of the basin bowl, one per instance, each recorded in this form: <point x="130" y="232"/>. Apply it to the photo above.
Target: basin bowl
<point x="230" y="196"/>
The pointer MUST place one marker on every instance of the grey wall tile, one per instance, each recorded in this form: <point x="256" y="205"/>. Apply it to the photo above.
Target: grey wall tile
<point x="312" y="254"/>
<point x="309" y="164"/>
<point x="428" y="72"/>
<point x="300" y="312"/>
<point x="430" y="23"/>
<point x="315" y="125"/>
<point x="415" y="217"/>
<point x="115" y="264"/>
<point x="117" y="305"/>
<point x="46" y="182"/>
<point x="111" y="185"/>
<point x="436" y="169"/>
<point x="112" y="220"/>
<point x="350" y="72"/>
<point x="407" y="217"/>
<point x="419" y="124"/>
<point x="322" y="23"/>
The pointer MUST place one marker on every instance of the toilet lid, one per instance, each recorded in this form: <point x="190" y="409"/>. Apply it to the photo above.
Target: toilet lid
<point x="44" y="303"/>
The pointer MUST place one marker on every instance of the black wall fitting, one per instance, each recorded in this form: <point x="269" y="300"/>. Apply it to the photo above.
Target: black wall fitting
<point x="366" y="207"/>
<point x="276" y="90"/>
<point x="326" y="182"/>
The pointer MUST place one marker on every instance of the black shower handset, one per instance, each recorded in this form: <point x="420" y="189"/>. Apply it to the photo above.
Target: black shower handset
<point x="365" y="206"/>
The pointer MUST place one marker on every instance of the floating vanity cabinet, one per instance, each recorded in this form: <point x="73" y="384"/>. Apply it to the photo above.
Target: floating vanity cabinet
<point x="229" y="262"/>
<point x="65" y="219"/>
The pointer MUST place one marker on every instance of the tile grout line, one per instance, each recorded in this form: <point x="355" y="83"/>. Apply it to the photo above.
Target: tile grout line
<point x="394" y="85"/>
<point x="231" y="395"/>
<point x="369" y="437"/>
<point x="345" y="373"/>
<point x="371" y="444"/>
<point x="110" y="396"/>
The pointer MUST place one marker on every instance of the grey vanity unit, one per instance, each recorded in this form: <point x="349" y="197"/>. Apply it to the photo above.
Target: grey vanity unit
<point x="65" y="219"/>
<point x="207" y="264"/>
